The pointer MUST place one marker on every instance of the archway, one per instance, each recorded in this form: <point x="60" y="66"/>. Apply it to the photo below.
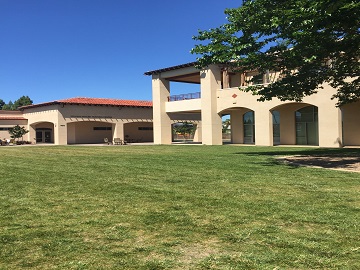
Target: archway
<point x="42" y="132"/>
<point x="242" y="125"/>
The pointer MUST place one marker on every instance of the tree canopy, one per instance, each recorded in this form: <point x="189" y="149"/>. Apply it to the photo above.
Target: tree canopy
<point x="310" y="42"/>
<point x="22" y="101"/>
<point x="17" y="132"/>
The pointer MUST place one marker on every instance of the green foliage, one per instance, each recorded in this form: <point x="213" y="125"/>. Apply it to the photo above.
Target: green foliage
<point x="9" y="106"/>
<point x="17" y="132"/>
<point x="22" y="101"/>
<point x="185" y="129"/>
<point x="310" y="42"/>
<point x="225" y="125"/>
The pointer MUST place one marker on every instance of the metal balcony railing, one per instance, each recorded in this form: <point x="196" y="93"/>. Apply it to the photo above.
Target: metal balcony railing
<point x="185" y="96"/>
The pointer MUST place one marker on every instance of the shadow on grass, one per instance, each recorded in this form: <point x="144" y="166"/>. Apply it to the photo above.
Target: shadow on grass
<point x="334" y="152"/>
<point x="330" y="158"/>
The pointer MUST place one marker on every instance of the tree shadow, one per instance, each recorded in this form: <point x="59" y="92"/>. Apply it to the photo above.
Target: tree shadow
<point x="329" y="158"/>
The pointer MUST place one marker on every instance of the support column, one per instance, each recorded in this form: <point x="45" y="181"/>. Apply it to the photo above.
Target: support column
<point x="161" y="120"/>
<point x="32" y="134"/>
<point x="330" y="131"/>
<point x="236" y="122"/>
<point x="118" y="131"/>
<point x="263" y="127"/>
<point x="60" y="133"/>
<point x="197" y="135"/>
<point x="210" y="120"/>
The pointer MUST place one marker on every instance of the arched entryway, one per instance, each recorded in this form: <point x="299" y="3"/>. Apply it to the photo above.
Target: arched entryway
<point x="42" y="132"/>
<point x="242" y="125"/>
<point x="295" y="123"/>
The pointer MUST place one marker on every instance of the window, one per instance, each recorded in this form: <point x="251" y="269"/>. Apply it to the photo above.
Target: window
<point x="102" y="128"/>
<point x="5" y="128"/>
<point x="307" y="126"/>
<point x="249" y="127"/>
<point x="145" y="128"/>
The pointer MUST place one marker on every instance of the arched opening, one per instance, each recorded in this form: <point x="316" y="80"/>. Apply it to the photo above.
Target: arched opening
<point x="249" y="127"/>
<point x="44" y="132"/>
<point x="238" y="125"/>
<point x="307" y="128"/>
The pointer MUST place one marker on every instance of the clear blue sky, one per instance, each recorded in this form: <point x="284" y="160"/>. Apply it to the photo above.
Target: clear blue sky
<point x="56" y="49"/>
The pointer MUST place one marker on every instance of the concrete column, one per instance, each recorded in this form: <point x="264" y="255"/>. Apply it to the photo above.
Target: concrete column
<point x="60" y="133"/>
<point x="161" y="120"/>
<point x="197" y="135"/>
<point x="31" y="136"/>
<point x="118" y="130"/>
<point x="237" y="123"/>
<point x="330" y="131"/>
<point x="263" y="126"/>
<point x="210" y="120"/>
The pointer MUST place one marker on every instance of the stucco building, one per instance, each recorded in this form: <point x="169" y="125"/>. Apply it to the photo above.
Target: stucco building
<point x="315" y="121"/>
<point x="82" y="120"/>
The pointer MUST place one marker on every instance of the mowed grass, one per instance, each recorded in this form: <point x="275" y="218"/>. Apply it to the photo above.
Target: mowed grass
<point x="175" y="207"/>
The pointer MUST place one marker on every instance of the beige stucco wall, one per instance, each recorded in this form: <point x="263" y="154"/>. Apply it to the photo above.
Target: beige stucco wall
<point x="216" y="101"/>
<point x="75" y="123"/>
<point x="4" y="134"/>
<point x="137" y="132"/>
<point x="5" y="124"/>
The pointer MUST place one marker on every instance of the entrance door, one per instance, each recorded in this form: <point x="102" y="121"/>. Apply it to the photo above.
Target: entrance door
<point x="43" y="135"/>
<point x="47" y="136"/>
<point x="39" y="136"/>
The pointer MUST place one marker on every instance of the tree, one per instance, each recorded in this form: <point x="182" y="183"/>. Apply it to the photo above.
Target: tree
<point x="22" y="101"/>
<point x="9" y="106"/>
<point x="225" y="125"/>
<point x="2" y="103"/>
<point x="310" y="42"/>
<point x="17" y="132"/>
<point x="184" y="129"/>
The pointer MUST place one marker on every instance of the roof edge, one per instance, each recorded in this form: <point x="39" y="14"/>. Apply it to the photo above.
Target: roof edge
<point x="158" y="71"/>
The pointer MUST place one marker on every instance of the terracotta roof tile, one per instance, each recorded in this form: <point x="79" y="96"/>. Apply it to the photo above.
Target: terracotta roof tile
<point x="12" y="118"/>
<point x="95" y="101"/>
<point x="106" y="101"/>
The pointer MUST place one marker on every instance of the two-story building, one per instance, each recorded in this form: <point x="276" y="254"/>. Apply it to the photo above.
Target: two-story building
<point x="314" y="121"/>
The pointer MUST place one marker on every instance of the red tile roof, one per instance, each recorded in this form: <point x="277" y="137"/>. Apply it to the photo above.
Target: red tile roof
<point x="12" y="118"/>
<point x="94" y="101"/>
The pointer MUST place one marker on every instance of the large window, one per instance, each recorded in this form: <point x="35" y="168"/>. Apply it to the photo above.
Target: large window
<point x="307" y="131"/>
<point x="249" y="128"/>
<point x="276" y="127"/>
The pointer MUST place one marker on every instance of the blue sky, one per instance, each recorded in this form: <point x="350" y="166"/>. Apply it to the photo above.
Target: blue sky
<point x="56" y="49"/>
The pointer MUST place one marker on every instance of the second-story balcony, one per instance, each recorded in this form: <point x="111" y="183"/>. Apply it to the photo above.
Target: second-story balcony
<point x="188" y="96"/>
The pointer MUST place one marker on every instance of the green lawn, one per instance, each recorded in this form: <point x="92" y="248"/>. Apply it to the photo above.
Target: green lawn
<point x="175" y="207"/>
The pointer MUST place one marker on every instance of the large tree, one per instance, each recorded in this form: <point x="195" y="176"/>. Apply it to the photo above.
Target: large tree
<point x="22" y="101"/>
<point x="310" y="42"/>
